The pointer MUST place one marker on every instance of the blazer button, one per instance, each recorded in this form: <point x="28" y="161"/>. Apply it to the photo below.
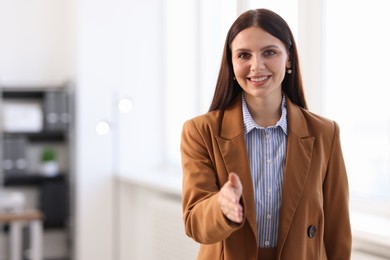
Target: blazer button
<point x="311" y="231"/>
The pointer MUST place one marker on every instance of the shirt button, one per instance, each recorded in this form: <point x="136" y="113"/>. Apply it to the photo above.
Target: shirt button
<point x="269" y="216"/>
<point x="269" y="190"/>
<point x="266" y="243"/>
<point x="267" y="136"/>
<point x="269" y="161"/>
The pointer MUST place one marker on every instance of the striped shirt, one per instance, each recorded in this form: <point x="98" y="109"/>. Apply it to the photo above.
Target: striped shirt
<point x="267" y="154"/>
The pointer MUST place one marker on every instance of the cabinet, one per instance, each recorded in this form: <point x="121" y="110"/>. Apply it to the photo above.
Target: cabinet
<point x="36" y="153"/>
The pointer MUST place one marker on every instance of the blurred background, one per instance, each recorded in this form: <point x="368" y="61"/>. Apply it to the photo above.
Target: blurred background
<point x="95" y="92"/>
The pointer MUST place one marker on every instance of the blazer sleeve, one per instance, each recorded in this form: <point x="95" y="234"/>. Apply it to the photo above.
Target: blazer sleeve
<point x="337" y="235"/>
<point x="203" y="218"/>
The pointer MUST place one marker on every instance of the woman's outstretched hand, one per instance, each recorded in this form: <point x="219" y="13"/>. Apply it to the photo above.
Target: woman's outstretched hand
<point x="229" y="199"/>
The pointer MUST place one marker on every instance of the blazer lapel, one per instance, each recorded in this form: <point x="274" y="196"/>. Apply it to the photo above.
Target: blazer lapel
<point x="231" y="142"/>
<point x="298" y="157"/>
<point x="232" y="146"/>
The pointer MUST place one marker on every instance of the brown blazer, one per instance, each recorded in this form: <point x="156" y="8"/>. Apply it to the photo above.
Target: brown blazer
<point x="315" y="188"/>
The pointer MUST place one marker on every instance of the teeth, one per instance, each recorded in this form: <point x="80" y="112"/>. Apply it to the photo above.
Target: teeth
<point x="259" y="79"/>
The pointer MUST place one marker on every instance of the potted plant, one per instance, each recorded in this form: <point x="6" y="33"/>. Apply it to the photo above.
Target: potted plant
<point x="49" y="162"/>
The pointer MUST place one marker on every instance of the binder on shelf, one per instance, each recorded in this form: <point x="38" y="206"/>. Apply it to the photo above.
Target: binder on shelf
<point x="14" y="159"/>
<point x="64" y="116"/>
<point x="56" y="111"/>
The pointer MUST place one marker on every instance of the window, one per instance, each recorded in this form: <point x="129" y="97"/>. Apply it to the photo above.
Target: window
<point x="194" y="35"/>
<point x="356" y="95"/>
<point x="288" y="9"/>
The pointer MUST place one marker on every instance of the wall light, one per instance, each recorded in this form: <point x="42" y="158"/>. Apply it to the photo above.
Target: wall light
<point x="125" y="105"/>
<point x="102" y="128"/>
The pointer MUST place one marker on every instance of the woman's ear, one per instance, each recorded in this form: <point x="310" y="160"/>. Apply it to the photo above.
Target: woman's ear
<point x="288" y="64"/>
<point x="288" y="67"/>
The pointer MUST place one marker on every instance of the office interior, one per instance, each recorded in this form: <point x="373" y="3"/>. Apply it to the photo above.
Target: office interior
<point x="124" y="75"/>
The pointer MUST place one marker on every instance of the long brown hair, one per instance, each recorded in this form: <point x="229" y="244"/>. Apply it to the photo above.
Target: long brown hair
<point x="227" y="89"/>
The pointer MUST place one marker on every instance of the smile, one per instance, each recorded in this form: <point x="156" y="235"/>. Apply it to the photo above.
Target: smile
<point x="259" y="79"/>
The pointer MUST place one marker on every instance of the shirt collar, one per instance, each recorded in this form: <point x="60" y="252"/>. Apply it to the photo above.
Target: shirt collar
<point x="250" y="124"/>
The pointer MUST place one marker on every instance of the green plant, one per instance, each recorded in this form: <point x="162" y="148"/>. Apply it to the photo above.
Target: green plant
<point x="48" y="154"/>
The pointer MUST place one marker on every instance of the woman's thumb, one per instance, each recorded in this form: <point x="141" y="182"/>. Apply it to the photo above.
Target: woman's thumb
<point x="235" y="181"/>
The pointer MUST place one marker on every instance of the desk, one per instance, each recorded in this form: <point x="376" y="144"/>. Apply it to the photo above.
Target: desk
<point x="16" y="221"/>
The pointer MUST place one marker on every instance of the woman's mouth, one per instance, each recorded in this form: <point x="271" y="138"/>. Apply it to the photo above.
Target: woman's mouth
<point x="259" y="79"/>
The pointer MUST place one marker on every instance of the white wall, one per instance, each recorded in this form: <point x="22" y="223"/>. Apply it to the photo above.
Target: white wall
<point x="119" y="54"/>
<point x="36" y="42"/>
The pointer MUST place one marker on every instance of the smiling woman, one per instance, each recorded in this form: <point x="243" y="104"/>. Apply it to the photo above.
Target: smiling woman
<point x="240" y="175"/>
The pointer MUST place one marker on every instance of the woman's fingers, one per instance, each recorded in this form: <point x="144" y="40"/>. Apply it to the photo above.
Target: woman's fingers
<point x="229" y="199"/>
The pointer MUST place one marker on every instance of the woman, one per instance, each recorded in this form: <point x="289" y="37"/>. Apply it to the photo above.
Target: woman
<point x="264" y="178"/>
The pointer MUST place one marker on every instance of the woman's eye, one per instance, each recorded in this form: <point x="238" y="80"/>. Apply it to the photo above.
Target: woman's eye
<point x="244" y="55"/>
<point x="269" y="53"/>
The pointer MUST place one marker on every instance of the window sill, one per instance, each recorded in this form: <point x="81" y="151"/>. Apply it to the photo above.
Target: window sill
<point x="159" y="180"/>
<point x="371" y="234"/>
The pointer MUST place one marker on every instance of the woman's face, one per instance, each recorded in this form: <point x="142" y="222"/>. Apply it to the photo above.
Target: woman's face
<point x="259" y="62"/>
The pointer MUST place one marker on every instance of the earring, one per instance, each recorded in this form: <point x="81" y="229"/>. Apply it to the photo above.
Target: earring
<point x="289" y="71"/>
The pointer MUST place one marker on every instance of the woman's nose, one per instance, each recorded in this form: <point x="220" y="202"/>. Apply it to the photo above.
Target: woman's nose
<point x="257" y="64"/>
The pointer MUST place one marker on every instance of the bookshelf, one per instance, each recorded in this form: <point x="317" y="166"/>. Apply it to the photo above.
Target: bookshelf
<point x="34" y="120"/>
